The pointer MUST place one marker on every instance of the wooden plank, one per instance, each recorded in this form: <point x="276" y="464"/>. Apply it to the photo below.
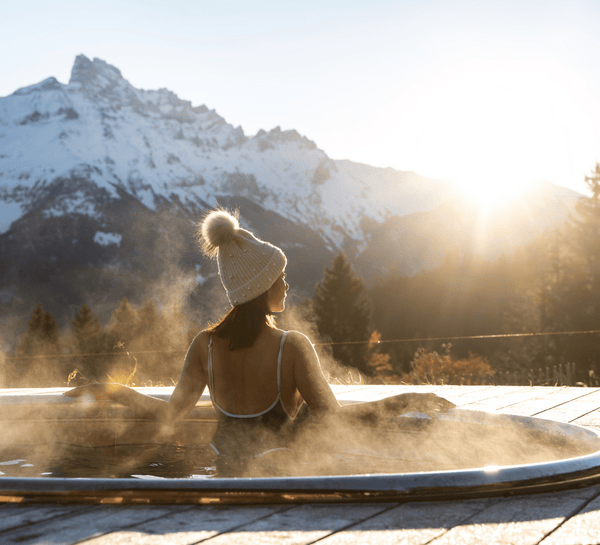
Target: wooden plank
<point x="539" y="405"/>
<point x="579" y="407"/>
<point x="369" y="393"/>
<point x="409" y="524"/>
<point x="592" y="417"/>
<point x="464" y="396"/>
<point x="93" y="523"/>
<point x="510" y="397"/>
<point x="187" y="526"/>
<point x="14" y="515"/>
<point x="590" y="420"/>
<point x="9" y="392"/>
<point x="376" y="392"/>
<point x="459" y="391"/>
<point x="581" y="529"/>
<point x="523" y="520"/>
<point x="302" y="525"/>
<point x="343" y="389"/>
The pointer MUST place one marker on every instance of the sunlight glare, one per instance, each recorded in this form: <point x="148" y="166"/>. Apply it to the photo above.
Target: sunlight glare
<point x="492" y="188"/>
<point x="496" y="117"/>
<point x="499" y="116"/>
<point x="492" y="127"/>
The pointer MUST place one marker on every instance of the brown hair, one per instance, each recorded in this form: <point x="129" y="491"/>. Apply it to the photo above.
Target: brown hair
<point x="242" y="324"/>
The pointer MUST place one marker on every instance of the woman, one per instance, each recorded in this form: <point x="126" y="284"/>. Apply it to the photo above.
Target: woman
<point x="258" y="376"/>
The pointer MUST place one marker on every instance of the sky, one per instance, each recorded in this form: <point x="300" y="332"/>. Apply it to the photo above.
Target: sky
<point x="491" y="95"/>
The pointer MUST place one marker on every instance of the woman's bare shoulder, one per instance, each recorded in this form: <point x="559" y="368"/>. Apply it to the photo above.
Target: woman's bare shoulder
<point x="204" y="334"/>
<point x="200" y="342"/>
<point x="298" y="340"/>
<point x="196" y="357"/>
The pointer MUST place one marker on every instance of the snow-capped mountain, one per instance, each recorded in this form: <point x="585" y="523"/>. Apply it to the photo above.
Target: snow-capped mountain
<point x="100" y="184"/>
<point x="161" y="149"/>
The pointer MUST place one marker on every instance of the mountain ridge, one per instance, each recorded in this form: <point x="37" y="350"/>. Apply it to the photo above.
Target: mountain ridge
<point x="195" y="147"/>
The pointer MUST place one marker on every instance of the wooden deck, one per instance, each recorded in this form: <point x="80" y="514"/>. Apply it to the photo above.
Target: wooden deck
<point x="569" y="517"/>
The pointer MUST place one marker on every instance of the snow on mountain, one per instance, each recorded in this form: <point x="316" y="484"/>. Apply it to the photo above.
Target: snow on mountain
<point x="161" y="150"/>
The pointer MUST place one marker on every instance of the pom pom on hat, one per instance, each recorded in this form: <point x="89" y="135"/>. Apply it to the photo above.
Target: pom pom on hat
<point x="248" y="267"/>
<point x="217" y="229"/>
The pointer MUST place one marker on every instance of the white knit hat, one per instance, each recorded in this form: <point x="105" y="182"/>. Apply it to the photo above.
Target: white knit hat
<point x="248" y="266"/>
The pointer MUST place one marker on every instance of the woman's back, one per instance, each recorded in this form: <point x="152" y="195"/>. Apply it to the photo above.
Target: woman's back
<point x="246" y="387"/>
<point x="245" y="381"/>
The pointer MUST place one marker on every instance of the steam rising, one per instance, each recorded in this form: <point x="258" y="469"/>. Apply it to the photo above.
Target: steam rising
<point x="301" y="318"/>
<point x="103" y="440"/>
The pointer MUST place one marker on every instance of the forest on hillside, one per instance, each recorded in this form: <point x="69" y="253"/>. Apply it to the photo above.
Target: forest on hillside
<point x="401" y="329"/>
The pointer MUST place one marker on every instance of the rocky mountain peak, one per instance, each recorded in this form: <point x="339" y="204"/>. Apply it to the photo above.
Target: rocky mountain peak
<point x="48" y="84"/>
<point x="269" y="140"/>
<point x="96" y="72"/>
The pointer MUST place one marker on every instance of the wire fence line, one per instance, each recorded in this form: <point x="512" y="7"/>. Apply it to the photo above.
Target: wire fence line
<point x="470" y="337"/>
<point x="388" y="341"/>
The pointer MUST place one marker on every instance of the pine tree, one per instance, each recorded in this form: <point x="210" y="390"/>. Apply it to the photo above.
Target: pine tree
<point x="150" y="337"/>
<point x="587" y="232"/>
<point x="85" y="325"/>
<point x="342" y="309"/>
<point x="571" y="299"/>
<point x="123" y="323"/>
<point x="41" y="341"/>
<point x="42" y="334"/>
<point x="578" y="293"/>
<point x="90" y="339"/>
<point x="5" y="369"/>
<point x="41" y="328"/>
<point x="121" y="334"/>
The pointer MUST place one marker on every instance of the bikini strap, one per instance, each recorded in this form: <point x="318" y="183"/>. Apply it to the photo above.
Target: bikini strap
<point x="210" y="369"/>
<point x="279" y="364"/>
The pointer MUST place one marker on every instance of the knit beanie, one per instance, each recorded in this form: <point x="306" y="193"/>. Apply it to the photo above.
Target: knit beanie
<point x="248" y="266"/>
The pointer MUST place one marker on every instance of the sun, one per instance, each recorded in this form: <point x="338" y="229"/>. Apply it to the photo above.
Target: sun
<point x="497" y="119"/>
<point x="488" y="190"/>
<point x="494" y="128"/>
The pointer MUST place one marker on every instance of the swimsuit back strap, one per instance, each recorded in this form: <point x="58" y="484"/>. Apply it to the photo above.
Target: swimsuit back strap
<point x="279" y="364"/>
<point x="210" y="370"/>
